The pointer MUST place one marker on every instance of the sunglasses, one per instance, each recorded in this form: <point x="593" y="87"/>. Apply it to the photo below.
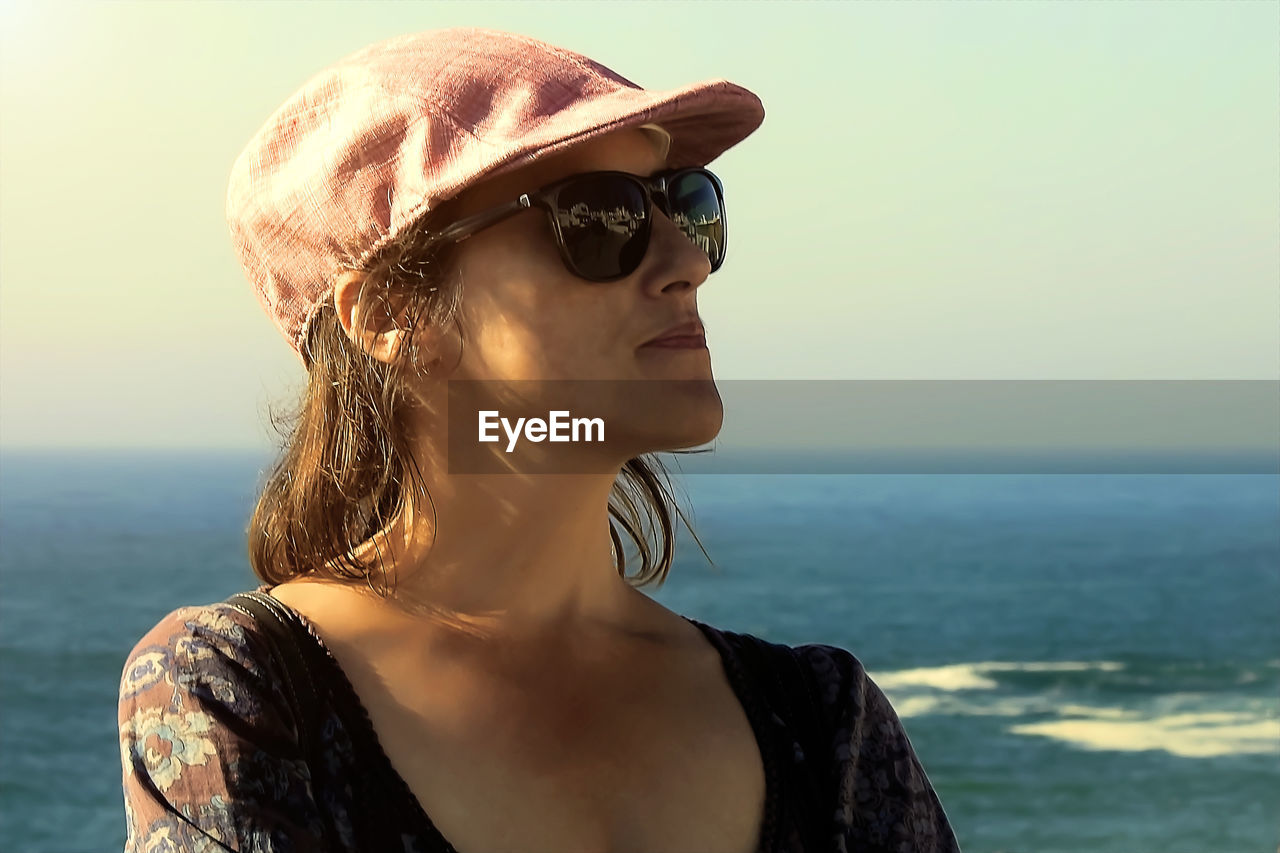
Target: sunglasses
<point x="602" y="220"/>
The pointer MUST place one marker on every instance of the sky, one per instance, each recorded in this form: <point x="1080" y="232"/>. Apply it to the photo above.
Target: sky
<point x="941" y="191"/>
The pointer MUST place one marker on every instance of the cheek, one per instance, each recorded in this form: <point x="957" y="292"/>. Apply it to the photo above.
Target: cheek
<point x="523" y="320"/>
<point x="521" y="327"/>
<point x="558" y="336"/>
<point x="499" y="342"/>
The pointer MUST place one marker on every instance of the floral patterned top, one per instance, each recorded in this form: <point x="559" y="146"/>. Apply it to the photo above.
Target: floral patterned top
<point x="212" y="757"/>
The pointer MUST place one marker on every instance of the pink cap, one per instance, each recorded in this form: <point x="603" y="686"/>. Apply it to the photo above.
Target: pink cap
<point x="370" y="144"/>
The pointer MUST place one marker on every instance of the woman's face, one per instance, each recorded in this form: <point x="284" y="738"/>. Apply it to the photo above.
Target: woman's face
<point x="525" y="316"/>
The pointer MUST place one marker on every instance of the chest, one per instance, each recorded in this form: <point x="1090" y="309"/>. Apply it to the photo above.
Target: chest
<point x="666" y="760"/>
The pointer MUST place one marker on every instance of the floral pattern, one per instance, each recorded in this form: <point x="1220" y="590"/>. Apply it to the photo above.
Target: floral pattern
<point x="211" y="758"/>
<point x="165" y="742"/>
<point x="145" y="669"/>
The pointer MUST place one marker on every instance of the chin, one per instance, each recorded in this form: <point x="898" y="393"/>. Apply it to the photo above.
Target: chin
<point x="676" y="364"/>
<point x="673" y="416"/>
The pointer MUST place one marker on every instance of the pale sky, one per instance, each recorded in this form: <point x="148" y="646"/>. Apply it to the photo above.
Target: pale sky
<point x="993" y="190"/>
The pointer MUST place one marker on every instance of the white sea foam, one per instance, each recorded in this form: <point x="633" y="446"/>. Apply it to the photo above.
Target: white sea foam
<point x="1191" y="735"/>
<point x="1195" y="734"/>
<point x="960" y="676"/>
<point x="1055" y="666"/>
<point x="916" y="705"/>
<point x="1100" y="713"/>
<point x="1192" y="725"/>
<point x="975" y="676"/>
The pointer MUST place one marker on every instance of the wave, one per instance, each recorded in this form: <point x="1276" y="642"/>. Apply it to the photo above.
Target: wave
<point x="973" y="676"/>
<point x="1191" y="724"/>
<point x="1188" y="735"/>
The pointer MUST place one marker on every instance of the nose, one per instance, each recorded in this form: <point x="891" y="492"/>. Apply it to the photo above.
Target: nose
<point x="673" y="258"/>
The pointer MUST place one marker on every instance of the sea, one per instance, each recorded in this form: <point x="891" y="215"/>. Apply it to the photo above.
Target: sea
<point x="1083" y="662"/>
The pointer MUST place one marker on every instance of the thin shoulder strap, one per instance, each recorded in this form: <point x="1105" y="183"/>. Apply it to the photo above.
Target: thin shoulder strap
<point x="282" y="629"/>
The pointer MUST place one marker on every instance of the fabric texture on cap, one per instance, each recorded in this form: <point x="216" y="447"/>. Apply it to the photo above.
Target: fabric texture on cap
<point x="373" y="142"/>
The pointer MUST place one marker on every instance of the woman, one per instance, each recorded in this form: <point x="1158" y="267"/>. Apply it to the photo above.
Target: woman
<point x="474" y="670"/>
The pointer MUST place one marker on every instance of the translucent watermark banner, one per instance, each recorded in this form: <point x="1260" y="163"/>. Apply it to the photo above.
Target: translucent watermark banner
<point x="866" y="426"/>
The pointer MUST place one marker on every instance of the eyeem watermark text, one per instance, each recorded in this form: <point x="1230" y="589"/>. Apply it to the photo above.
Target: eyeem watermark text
<point x="536" y="429"/>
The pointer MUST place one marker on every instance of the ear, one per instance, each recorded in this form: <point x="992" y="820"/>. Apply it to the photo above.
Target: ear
<point x="376" y="335"/>
<point x="378" y="328"/>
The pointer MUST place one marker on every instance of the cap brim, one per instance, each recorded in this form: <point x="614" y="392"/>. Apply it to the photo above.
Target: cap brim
<point x="704" y="120"/>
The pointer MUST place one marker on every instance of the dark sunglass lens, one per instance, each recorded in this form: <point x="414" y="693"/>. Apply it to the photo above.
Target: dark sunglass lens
<point x="696" y="210"/>
<point x="602" y="221"/>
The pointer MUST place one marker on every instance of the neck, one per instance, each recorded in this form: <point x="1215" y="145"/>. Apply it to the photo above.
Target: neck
<point x="510" y="556"/>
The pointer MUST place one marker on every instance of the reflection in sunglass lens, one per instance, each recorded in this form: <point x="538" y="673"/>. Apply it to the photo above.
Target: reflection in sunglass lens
<point x="695" y="209"/>
<point x="602" y="221"/>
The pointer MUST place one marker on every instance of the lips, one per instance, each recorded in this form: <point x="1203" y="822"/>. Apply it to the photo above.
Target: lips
<point x="685" y="333"/>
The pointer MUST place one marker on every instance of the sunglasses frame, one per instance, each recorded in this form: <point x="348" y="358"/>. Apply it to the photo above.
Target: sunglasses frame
<point x="654" y="188"/>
